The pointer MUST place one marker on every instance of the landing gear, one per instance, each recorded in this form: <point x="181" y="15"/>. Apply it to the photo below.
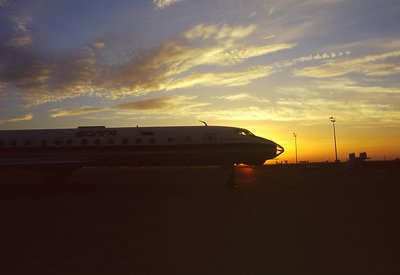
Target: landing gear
<point x="231" y="183"/>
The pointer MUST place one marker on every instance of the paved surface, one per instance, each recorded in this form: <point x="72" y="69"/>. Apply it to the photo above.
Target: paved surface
<point x="185" y="221"/>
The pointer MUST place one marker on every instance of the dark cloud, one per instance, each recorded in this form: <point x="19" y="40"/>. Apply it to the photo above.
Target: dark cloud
<point x="23" y="69"/>
<point x="38" y="78"/>
<point x="33" y="75"/>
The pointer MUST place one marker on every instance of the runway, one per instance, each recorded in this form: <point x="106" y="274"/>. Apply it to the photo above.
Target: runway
<point x="278" y="220"/>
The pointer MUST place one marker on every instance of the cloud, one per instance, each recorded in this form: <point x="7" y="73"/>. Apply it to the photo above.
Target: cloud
<point x="58" y="112"/>
<point x="21" y="36"/>
<point x="170" y="66"/>
<point x="162" y="4"/>
<point x="242" y="97"/>
<point x="23" y="70"/>
<point x="19" y="41"/>
<point x="21" y="23"/>
<point x="371" y="65"/>
<point x="210" y="31"/>
<point x="159" y="105"/>
<point x="38" y="79"/>
<point x="311" y="101"/>
<point x="189" y="60"/>
<point x="98" y="45"/>
<point x="232" y="79"/>
<point x="394" y="43"/>
<point x="351" y="86"/>
<point x="311" y="111"/>
<point x="17" y="119"/>
<point x="147" y="104"/>
<point x="5" y="3"/>
<point x="316" y="57"/>
<point x="359" y="102"/>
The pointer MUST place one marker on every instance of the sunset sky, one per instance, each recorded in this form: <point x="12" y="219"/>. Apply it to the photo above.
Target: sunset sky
<point x="273" y="67"/>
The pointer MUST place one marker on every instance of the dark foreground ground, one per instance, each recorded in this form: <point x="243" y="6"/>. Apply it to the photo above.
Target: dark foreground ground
<point x="279" y="220"/>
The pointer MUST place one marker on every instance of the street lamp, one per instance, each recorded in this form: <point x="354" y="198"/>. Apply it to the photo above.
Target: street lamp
<point x="295" y="145"/>
<point x="333" y="120"/>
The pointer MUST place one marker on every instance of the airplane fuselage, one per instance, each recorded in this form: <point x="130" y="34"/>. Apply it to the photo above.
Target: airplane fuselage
<point x="135" y="146"/>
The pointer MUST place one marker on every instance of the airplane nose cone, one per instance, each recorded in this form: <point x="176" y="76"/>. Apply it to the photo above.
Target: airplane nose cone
<point x="279" y="149"/>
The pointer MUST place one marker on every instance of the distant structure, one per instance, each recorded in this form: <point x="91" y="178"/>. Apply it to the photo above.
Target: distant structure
<point x="355" y="162"/>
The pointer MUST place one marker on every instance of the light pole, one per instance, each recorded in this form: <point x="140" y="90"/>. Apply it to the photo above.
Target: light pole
<point x="295" y="145"/>
<point x="333" y="120"/>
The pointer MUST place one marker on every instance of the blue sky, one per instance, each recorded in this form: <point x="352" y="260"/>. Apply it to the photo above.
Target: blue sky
<point x="275" y="67"/>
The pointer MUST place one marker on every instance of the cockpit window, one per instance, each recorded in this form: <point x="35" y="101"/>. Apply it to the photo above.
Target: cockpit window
<point x="243" y="132"/>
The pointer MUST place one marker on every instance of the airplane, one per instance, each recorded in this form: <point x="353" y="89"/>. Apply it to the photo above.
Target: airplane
<point x="62" y="151"/>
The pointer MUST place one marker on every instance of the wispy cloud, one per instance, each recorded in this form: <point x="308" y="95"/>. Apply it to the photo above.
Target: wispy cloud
<point x="211" y="31"/>
<point x="173" y="65"/>
<point x="393" y="43"/>
<point x="5" y="3"/>
<point x="162" y="105"/>
<point x="17" y="119"/>
<point x="98" y="45"/>
<point x="147" y="104"/>
<point x="233" y="79"/>
<point x="158" y="105"/>
<point x="362" y="102"/>
<point x="242" y="97"/>
<point x="170" y="66"/>
<point x="310" y="111"/>
<point x="371" y="65"/>
<point x="162" y="4"/>
<point x="350" y="86"/>
<point x="239" y="77"/>
<point x="21" y="36"/>
<point x="58" y="112"/>
<point x="291" y="21"/>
